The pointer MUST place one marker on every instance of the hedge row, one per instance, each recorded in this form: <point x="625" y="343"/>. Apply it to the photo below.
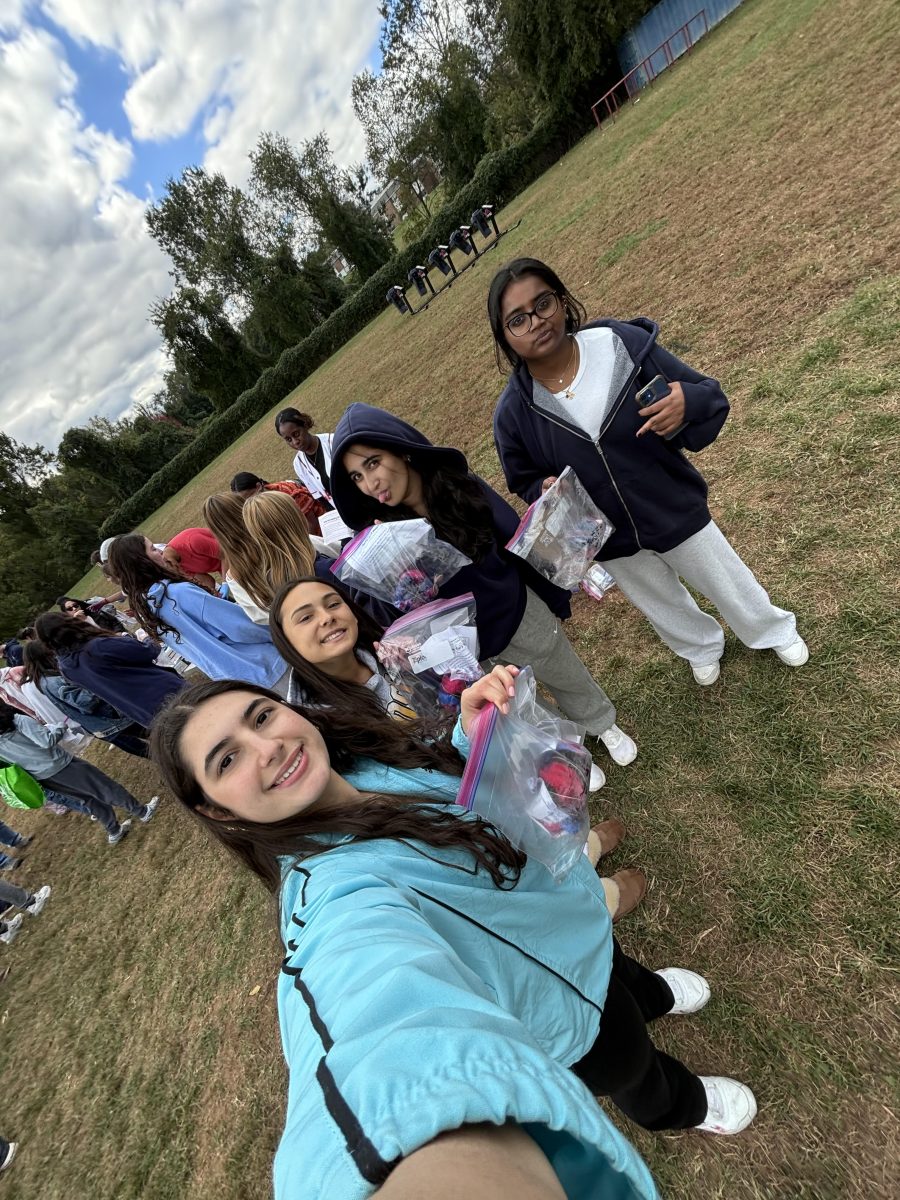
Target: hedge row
<point x="499" y="178"/>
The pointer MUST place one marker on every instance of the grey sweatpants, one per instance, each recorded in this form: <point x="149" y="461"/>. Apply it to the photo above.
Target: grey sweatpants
<point x="541" y="643"/>
<point x="10" y="893"/>
<point x="711" y="565"/>
<point x="98" y="793"/>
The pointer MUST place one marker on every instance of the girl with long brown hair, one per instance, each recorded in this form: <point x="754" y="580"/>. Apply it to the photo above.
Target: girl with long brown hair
<point x="120" y="670"/>
<point x="210" y="632"/>
<point x="422" y="947"/>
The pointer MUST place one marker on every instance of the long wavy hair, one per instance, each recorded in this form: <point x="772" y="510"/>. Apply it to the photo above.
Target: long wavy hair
<point x="222" y="514"/>
<point x="321" y="689"/>
<point x="260" y="846"/>
<point x="519" y="268"/>
<point x="136" y="574"/>
<point x="39" y="661"/>
<point x="64" y="634"/>
<point x="281" y="536"/>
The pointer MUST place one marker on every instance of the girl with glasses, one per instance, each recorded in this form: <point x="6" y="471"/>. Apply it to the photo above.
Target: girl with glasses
<point x="571" y="401"/>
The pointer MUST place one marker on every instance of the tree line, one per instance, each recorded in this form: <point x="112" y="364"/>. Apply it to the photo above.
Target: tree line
<point x="250" y="266"/>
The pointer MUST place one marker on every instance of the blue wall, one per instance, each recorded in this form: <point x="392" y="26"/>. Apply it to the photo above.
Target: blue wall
<point x="658" y="25"/>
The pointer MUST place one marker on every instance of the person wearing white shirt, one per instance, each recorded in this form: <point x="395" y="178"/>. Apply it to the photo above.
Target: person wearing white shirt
<point x="312" y="462"/>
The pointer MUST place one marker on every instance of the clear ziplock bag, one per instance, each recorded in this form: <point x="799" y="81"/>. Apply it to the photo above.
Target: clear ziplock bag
<point x="562" y="532"/>
<point x="432" y="652"/>
<point x="530" y="780"/>
<point x="400" y="562"/>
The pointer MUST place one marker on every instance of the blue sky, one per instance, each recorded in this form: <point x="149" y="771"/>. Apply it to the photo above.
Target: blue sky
<point x="101" y="102"/>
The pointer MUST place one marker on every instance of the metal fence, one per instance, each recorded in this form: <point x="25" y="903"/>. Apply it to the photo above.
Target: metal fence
<point x="659" y="26"/>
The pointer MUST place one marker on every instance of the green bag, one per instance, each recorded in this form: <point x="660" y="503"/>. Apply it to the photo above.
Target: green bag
<point x="19" y="789"/>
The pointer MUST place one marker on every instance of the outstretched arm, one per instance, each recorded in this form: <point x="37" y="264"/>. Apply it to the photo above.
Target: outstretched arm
<point x="481" y="1162"/>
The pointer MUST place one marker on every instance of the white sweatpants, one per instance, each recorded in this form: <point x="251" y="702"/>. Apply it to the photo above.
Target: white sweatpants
<point x="709" y="563"/>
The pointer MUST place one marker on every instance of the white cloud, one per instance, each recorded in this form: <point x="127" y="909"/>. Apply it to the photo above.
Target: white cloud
<point x="79" y="268"/>
<point x="238" y="65"/>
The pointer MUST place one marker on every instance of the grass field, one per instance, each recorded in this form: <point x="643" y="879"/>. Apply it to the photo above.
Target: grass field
<point x="747" y="202"/>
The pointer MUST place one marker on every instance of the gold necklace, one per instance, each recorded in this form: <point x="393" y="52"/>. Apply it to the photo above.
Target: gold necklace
<point x="570" y="395"/>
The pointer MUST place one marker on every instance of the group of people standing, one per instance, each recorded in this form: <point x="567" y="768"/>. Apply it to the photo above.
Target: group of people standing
<point x="440" y="992"/>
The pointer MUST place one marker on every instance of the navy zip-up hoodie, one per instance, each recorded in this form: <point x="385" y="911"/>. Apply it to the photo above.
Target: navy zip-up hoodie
<point x="499" y="581"/>
<point x="123" y="672"/>
<point x="653" y="495"/>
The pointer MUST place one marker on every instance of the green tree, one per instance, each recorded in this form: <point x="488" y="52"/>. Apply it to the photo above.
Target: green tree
<point x="390" y="113"/>
<point x="205" y="346"/>
<point x="307" y="179"/>
<point x="568" y="49"/>
<point x="22" y="470"/>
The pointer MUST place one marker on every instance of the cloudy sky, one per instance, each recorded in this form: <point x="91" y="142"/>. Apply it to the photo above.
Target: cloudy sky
<point x="100" y="102"/>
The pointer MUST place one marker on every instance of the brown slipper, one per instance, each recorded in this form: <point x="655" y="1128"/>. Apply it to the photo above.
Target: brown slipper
<point x="610" y="833"/>
<point x="632" y="886"/>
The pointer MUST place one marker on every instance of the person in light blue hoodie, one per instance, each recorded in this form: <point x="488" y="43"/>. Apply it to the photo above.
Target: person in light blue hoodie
<point x="213" y="634"/>
<point x="446" y="1008"/>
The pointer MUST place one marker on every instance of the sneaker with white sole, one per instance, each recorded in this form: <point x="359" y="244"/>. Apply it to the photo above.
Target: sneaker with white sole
<point x="691" y="991"/>
<point x="115" y="838"/>
<point x="794" y="655"/>
<point x="597" y="779"/>
<point x="12" y="930"/>
<point x="622" y="749"/>
<point x="11" y="1149"/>
<point x="40" y="898"/>
<point x="149" y="809"/>
<point x="730" y="1106"/>
<point x="706" y="675"/>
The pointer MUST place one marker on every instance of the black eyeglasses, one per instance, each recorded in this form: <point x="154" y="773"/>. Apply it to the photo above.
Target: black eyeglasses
<point x="545" y="307"/>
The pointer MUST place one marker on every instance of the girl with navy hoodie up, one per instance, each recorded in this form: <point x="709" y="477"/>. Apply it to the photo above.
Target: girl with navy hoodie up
<point x="570" y="401"/>
<point x="384" y="469"/>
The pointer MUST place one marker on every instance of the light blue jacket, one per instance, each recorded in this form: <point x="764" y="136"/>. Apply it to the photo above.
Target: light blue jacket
<point x="216" y="635"/>
<point x="416" y="997"/>
<point x="34" y="746"/>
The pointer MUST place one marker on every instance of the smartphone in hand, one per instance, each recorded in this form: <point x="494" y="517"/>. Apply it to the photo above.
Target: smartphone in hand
<point x="653" y="391"/>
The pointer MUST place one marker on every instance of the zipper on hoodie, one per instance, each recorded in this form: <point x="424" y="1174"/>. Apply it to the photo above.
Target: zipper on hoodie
<point x="614" y="408"/>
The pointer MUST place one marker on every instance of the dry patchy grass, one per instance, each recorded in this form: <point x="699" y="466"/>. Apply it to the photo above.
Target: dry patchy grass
<point x="745" y="202"/>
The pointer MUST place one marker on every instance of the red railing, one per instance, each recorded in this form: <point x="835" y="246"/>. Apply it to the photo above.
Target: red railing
<point x="678" y="43"/>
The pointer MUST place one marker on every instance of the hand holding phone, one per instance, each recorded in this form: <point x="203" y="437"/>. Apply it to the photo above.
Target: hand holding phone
<point x="663" y="403"/>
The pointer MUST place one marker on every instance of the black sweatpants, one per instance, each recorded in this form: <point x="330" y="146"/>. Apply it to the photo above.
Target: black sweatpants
<point x="650" y="1087"/>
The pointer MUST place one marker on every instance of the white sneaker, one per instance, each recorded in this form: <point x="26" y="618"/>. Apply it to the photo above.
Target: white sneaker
<point x="115" y="838"/>
<point x="10" y="1155"/>
<point x="622" y="749"/>
<point x="41" y="897"/>
<point x="12" y="930"/>
<point x="794" y="655"/>
<point x="731" y="1106"/>
<point x="597" y="778"/>
<point x="706" y="675"/>
<point x="691" y="991"/>
<point x="149" y="809"/>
